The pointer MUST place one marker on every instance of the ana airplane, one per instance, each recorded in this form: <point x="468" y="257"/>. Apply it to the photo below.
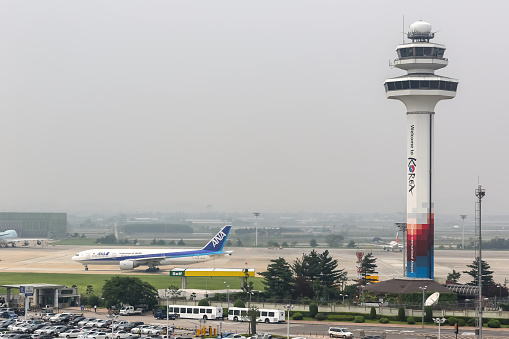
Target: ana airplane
<point x="128" y="259"/>
<point x="393" y="245"/>
<point x="11" y="237"/>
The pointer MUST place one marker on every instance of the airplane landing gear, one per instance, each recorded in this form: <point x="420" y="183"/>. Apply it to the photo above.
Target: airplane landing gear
<point x="152" y="269"/>
<point x="86" y="268"/>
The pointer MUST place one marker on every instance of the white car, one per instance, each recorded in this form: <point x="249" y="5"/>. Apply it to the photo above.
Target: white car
<point x="137" y="329"/>
<point x="84" y="334"/>
<point x="234" y="336"/>
<point x="43" y="330"/>
<point x="118" y="335"/>
<point x="339" y="332"/>
<point x="84" y="321"/>
<point x="156" y="330"/>
<point x="72" y="333"/>
<point x="92" y="322"/>
<point x="96" y="335"/>
<point x="56" y="318"/>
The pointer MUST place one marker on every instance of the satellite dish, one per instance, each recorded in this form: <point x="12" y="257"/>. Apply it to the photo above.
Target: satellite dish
<point x="432" y="299"/>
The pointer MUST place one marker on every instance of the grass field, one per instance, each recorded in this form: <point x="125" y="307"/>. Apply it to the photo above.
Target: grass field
<point x="97" y="281"/>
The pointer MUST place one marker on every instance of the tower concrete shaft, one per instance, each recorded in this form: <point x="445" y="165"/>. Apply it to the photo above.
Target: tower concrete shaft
<point x="420" y="90"/>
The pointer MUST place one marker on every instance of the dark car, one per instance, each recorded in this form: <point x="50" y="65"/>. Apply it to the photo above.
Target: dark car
<point x="22" y="336"/>
<point x="76" y="320"/>
<point x="162" y="315"/>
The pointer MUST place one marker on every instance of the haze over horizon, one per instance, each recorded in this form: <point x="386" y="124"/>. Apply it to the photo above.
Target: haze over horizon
<point x="244" y="106"/>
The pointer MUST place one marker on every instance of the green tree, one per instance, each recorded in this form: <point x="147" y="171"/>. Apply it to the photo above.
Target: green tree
<point x="278" y="278"/>
<point x="372" y="313"/>
<point x="313" y="243"/>
<point x="453" y="276"/>
<point x="239" y="303"/>
<point x="313" y="309"/>
<point x="203" y="302"/>
<point x="351" y="244"/>
<point x="128" y="290"/>
<point x="181" y="243"/>
<point x="90" y="290"/>
<point x="368" y="267"/>
<point x="487" y="274"/>
<point x="161" y="242"/>
<point x="239" y="242"/>
<point x="173" y="293"/>
<point x="334" y="240"/>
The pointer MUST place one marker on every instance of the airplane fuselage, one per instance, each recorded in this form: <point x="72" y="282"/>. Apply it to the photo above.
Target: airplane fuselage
<point x="115" y="256"/>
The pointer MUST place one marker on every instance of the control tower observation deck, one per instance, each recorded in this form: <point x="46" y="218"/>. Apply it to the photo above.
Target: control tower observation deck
<point x="420" y="90"/>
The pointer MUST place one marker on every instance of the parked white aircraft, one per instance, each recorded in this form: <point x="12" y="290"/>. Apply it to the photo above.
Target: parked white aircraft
<point x="128" y="259"/>
<point x="11" y="237"/>
<point x="393" y="245"/>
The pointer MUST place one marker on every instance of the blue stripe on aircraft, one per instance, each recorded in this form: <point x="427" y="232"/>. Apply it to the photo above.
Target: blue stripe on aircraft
<point x="158" y="255"/>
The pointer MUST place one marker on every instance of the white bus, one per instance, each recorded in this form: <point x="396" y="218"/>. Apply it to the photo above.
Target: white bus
<point x="262" y="315"/>
<point x="196" y="312"/>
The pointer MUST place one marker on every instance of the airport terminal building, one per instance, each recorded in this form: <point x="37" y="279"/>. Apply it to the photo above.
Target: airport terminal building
<point x="35" y="225"/>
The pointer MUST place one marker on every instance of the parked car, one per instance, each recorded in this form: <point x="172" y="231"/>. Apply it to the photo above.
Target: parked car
<point x="119" y="335"/>
<point x="96" y="335"/>
<point x="82" y="323"/>
<point x="9" y="315"/>
<point x="338" y="332"/>
<point x="70" y="333"/>
<point x="76" y="320"/>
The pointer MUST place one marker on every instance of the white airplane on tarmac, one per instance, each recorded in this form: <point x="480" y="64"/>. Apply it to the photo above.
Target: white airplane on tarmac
<point x="393" y="245"/>
<point x="128" y="259"/>
<point x="11" y="237"/>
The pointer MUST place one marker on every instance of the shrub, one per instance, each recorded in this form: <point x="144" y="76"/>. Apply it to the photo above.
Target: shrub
<point x="297" y="316"/>
<point x="384" y="321"/>
<point x="372" y="313"/>
<point x="320" y="316"/>
<point x="462" y="322"/>
<point x="359" y="319"/>
<point x="471" y="322"/>
<point x="203" y="302"/>
<point x="493" y="323"/>
<point x="452" y="320"/>
<point x="401" y="314"/>
<point x="340" y="317"/>
<point x="239" y="303"/>
<point x="428" y="314"/>
<point x="410" y="320"/>
<point x="313" y="309"/>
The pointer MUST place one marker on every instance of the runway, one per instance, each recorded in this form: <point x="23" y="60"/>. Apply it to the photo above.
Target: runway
<point x="57" y="259"/>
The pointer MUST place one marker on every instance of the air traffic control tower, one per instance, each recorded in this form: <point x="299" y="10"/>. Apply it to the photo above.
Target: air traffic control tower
<point x="420" y="90"/>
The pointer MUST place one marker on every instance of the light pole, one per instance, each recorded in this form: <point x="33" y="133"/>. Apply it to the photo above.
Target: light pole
<point x="423" y="301"/>
<point x="402" y="227"/>
<point x="288" y="308"/>
<point x="439" y="321"/>
<point x="463" y="217"/>
<point x="112" y="317"/>
<point x="167" y="313"/>
<point x="228" y="294"/>
<point x="256" y="214"/>
<point x="344" y="295"/>
<point x="479" y="193"/>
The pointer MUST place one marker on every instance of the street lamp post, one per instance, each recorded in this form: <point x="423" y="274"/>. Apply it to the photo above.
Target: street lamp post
<point x="344" y="295"/>
<point x="167" y="313"/>
<point x="423" y="301"/>
<point x="228" y="294"/>
<point x="256" y="214"/>
<point x="288" y="308"/>
<point x="439" y="321"/>
<point x="402" y="227"/>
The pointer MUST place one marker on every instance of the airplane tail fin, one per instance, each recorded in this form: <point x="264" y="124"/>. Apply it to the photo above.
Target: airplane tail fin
<point x="216" y="244"/>
<point x="397" y="236"/>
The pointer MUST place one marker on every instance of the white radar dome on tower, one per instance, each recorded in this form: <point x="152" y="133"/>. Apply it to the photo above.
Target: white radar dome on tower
<point x="420" y="31"/>
<point x="420" y="27"/>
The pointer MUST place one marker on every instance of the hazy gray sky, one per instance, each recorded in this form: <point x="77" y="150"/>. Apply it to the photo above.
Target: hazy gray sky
<point x="244" y="105"/>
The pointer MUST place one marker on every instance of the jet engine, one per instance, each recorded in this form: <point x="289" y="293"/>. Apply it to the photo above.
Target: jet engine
<point x="128" y="265"/>
<point x="26" y="243"/>
<point x="39" y="242"/>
